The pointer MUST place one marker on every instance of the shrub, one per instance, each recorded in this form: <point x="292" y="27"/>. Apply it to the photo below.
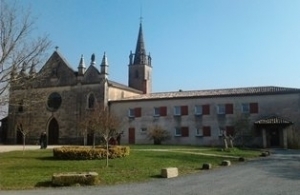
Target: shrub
<point x="158" y="135"/>
<point x="88" y="153"/>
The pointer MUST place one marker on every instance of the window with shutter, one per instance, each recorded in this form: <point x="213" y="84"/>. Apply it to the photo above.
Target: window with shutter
<point x="177" y="111"/>
<point x="163" y="111"/>
<point x="138" y="112"/>
<point x="184" y="110"/>
<point x="253" y="108"/>
<point x="198" y="110"/>
<point x="131" y="113"/>
<point x="206" y="131"/>
<point x="156" y="112"/>
<point x="184" y="131"/>
<point x="177" y="131"/>
<point x="199" y="131"/>
<point x="221" y="109"/>
<point x="205" y="109"/>
<point x="245" y="108"/>
<point x="229" y="109"/>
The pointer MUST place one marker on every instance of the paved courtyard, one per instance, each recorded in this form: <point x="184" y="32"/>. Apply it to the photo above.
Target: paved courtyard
<point x="278" y="174"/>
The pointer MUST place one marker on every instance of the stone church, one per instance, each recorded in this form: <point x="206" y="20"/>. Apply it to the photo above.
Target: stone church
<point x="199" y="117"/>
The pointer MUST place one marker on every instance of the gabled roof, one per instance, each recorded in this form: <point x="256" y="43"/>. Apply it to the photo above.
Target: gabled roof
<point x="273" y="120"/>
<point x="56" y="56"/>
<point x="246" y="91"/>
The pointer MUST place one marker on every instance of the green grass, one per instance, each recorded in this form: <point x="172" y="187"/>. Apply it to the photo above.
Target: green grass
<point x="34" y="168"/>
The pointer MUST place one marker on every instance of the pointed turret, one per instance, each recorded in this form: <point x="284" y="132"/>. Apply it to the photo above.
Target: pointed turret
<point x="13" y="72"/>
<point x="104" y="65"/>
<point x="140" y="70"/>
<point x="32" y="70"/>
<point x="23" y="69"/>
<point x="81" y="66"/>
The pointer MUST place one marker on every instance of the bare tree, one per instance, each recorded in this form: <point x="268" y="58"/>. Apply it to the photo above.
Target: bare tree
<point x="105" y="124"/>
<point x="20" y="50"/>
<point x="242" y="128"/>
<point x="158" y="134"/>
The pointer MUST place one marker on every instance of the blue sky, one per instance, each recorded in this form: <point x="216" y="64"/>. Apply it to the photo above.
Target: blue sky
<point x="194" y="44"/>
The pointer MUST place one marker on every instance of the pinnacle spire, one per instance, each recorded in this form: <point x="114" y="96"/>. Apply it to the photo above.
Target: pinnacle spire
<point x="32" y="70"/>
<point x="104" y="65"/>
<point x="104" y="60"/>
<point x="81" y="66"/>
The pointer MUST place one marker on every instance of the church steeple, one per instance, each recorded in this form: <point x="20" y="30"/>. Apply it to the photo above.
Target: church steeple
<point x="140" y="70"/>
<point x="140" y="56"/>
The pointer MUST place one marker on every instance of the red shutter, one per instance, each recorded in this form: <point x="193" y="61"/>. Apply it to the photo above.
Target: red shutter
<point x="206" y="131"/>
<point x="137" y="112"/>
<point x="205" y="109"/>
<point x="163" y="111"/>
<point x="229" y="109"/>
<point x="184" y="131"/>
<point x="184" y="110"/>
<point x="253" y="108"/>
<point x="229" y="130"/>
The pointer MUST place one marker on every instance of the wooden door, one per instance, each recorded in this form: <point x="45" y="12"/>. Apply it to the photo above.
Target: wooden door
<point x="131" y="135"/>
<point x="274" y="137"/>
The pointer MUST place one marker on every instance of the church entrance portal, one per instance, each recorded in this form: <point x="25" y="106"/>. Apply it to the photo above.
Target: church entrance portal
<point x="53" y="132"/>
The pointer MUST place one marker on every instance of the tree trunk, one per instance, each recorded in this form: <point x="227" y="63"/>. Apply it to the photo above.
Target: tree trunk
<point x="157" y="142"/>
<point x="94" y="140"/>
<point x="24" y="138"/>
<point x="231" y="142"/>
<point x="85" y="138"/>
<point x="107" y="153"/>
<point x="225" y="143"/>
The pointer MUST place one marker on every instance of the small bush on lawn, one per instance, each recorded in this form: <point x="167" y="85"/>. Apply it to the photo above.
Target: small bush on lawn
<point x="89" y="153"/>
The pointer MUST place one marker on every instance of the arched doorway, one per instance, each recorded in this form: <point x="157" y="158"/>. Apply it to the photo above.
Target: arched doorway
<point x="53" y="132"/>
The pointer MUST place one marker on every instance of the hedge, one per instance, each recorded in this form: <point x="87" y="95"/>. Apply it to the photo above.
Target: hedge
<point x="89" y="153"/>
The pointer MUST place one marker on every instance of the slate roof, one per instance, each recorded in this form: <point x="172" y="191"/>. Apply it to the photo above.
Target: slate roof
<point x="246" y="91"/>
<point x="272" y="120"/>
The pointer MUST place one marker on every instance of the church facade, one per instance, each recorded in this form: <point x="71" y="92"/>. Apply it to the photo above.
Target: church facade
<point x="201" y="117"/>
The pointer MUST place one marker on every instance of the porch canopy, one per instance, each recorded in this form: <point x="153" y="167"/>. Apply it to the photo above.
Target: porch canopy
<point x="273" y="120"/>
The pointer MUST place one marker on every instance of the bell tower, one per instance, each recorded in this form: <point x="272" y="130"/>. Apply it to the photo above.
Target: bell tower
<point x="140" y="69"/>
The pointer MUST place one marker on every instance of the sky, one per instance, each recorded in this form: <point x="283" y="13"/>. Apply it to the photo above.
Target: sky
<point x="194" y="44"/>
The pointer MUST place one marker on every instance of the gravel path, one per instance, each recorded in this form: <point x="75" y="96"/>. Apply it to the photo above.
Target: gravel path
<point x="278" y="174"/>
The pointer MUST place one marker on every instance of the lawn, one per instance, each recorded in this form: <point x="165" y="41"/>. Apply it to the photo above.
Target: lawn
<point x="34" y="168"/>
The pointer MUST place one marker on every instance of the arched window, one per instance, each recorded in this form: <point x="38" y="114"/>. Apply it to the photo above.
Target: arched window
<point x="91" y="100"/>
